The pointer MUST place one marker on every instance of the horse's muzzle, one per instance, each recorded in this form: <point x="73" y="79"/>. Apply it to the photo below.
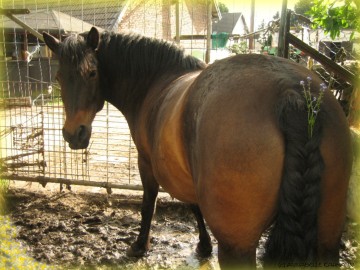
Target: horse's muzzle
<point x="80" y="139"/>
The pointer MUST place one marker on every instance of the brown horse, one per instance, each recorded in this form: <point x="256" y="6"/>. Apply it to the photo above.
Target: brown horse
<point x="230" y="138"/>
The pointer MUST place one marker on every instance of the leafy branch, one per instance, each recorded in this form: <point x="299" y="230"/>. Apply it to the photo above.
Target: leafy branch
<point x="335" y="15"/>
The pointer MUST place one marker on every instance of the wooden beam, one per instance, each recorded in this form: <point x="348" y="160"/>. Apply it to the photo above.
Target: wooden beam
<point x="14" y="11"/>
<point x="10" y="14"/>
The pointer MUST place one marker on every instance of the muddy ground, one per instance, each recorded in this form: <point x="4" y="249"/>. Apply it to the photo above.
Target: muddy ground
<point x="93" y="230"/>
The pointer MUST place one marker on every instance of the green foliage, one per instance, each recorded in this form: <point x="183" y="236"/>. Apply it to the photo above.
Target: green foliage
<point x="303" y="6"/>
<point x="335" y="15"/>
<point x="239" y="48"/>
<point x="223" y="8"/>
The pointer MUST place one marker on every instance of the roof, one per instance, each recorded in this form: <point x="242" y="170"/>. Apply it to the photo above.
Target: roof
<point x="103" y="14"/>
<point x="48" y="20"/>
<point x="227" y="23"/>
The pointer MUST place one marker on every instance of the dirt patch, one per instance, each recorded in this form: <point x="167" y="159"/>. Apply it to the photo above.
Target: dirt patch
<point x="85" y="230"/>
<point x="92" y="230"/>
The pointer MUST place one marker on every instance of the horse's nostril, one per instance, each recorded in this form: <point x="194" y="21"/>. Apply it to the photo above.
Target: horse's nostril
<point x="66" y="135"/>
<point x="81" y="133"/>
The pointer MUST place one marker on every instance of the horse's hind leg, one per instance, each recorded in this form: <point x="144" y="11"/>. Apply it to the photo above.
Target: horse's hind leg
<point x="151" y="188"/>
<point x="331" y="220"/>
<point x="232" y="258"/>
<point x="332" y="212"/>
<point x="204" y="247"/>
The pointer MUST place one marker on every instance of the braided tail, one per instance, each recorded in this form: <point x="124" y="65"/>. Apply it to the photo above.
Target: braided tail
<point x="293" y="238"/>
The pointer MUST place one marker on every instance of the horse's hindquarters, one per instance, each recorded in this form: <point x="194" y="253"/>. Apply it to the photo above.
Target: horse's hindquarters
<point x="337" y="155"/>
<point x="238" y="172"/>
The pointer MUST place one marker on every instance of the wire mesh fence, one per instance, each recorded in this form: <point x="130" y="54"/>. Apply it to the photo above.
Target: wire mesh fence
<point x="32" y="116"/>
<point x="33" y="146"/>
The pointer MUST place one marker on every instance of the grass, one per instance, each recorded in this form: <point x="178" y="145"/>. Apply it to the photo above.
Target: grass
<point x="12" y="255"/>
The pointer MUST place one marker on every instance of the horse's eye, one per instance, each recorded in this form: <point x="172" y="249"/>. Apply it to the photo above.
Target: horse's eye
<point x="92" y="74"/>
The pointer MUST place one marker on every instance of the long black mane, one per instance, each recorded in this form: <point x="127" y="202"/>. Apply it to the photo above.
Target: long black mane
<point x="134" y="56"/>
<point x="136" y="62"/>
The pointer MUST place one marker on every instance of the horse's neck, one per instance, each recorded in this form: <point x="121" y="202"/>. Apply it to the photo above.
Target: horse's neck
<point x="128" y="96"/>
<point x="128" y="81"/>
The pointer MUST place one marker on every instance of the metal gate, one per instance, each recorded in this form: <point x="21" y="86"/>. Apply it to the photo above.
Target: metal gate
<point x="33" y="148"/>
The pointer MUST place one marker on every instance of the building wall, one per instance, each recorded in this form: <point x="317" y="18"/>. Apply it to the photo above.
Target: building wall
<point x="157" y="18"/>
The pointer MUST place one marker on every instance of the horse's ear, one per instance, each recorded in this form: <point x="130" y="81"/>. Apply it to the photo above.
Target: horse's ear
<point x="93" y="38"/>
<point x="51" y="42"/>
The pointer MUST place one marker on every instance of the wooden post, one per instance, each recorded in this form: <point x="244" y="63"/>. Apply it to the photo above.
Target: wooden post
<point x="209" y="31"/>
<point x="252" y="16"/>
<point x="282" y="29"/>
<point x="287" y="30"/>
<point x="177" y="18"/>
<point x="354" y="110"/>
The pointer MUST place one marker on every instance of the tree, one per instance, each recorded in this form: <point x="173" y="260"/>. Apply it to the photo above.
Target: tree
<point x="223" y="8"/>
<point x="303" y="6"/>
<point x="334" y="15"/>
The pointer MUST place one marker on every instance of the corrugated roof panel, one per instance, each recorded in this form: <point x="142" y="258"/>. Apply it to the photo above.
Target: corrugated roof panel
<point x="103" y="14"/>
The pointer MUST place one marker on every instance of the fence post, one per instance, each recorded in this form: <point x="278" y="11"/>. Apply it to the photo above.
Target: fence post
<point x="287" y="32"/>
<point x="354" y="111"/>
<point x="282" y="30"/>
<point x="177" y="18"/>
<point x="209" y="31"/>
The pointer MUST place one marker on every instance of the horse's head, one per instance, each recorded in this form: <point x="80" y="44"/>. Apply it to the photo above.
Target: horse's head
<point x="78" y="77"/>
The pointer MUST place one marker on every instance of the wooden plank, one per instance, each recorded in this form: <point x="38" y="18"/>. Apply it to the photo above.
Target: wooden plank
<point x="9" y="13"/>
<point x="16" y="102"/>
<point x="15" y="11"/>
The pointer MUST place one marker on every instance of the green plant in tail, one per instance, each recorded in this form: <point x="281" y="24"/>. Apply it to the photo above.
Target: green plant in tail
<point x="312" y="103"/>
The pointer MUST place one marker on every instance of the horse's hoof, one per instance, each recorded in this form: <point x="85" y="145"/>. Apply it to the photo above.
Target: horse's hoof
<point x="204" y="251"/>
<point x="135" y="251"/>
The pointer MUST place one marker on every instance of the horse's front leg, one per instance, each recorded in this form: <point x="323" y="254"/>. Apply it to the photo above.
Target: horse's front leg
<point x="151" y="189"/>
<point x="204" y="247"/>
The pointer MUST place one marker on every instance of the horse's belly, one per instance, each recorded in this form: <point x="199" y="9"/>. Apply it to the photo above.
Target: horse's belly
<point x="169" y="158"/>
<point x="175" y="180"/>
